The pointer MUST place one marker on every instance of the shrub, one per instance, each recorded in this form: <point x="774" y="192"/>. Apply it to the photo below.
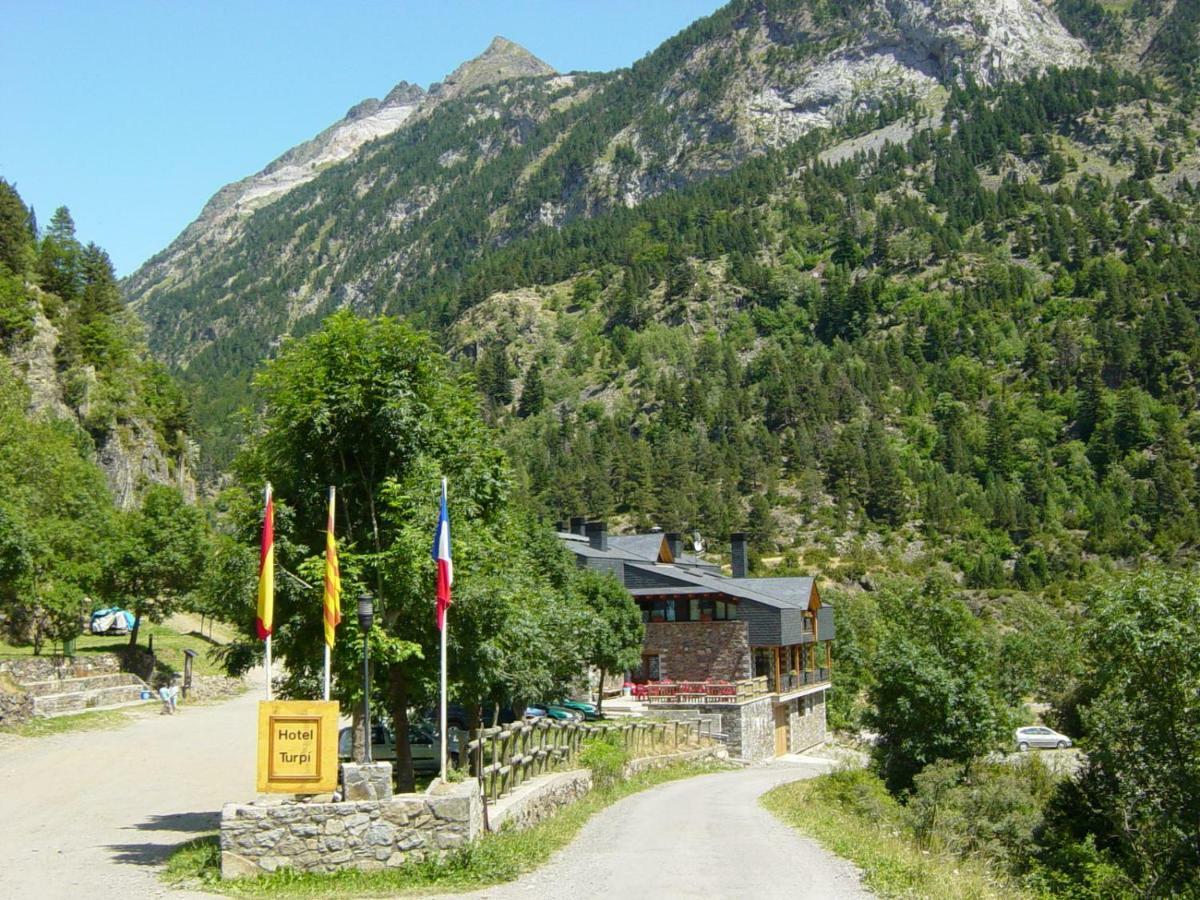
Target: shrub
<point x="606" y="757"/>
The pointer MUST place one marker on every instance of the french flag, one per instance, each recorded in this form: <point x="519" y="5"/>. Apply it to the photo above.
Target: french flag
<point x="445" y="566"/>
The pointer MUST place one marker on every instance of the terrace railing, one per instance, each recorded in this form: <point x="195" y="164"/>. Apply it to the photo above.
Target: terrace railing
<point x="717" y="693"/>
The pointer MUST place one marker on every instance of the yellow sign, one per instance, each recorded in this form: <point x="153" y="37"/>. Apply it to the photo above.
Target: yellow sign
<point x="297" y="746"/>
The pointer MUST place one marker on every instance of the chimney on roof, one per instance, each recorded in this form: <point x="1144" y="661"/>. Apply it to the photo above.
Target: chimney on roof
<point x="675" y="542"/>
<point x="597" y="535"/>
<point x="738" y="555"/>
<point x="577" y="524"/>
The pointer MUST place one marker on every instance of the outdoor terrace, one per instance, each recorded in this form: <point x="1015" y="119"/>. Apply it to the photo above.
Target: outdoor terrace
<point x="725" y="693"/>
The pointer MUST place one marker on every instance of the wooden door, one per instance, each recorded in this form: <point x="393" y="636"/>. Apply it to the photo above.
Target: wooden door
<point x="781" y="729"/>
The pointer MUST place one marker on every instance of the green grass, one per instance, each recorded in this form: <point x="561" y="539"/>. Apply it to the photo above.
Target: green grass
<point x="891" y="865"/>
<point x="493" y="859"/>
<point x="168" y="645"/>
<point x="98" y="720"/>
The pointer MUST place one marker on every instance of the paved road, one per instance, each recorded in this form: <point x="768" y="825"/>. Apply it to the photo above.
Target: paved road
<point x="705" y="837"/>
<point x="92" y="814"/>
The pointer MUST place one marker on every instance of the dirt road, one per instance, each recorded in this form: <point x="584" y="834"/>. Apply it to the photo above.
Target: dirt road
<point x="92" y="814"/>
<point x="705" y="837"/>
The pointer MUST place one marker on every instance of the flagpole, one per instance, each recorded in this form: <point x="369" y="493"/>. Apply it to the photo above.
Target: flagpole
<point x="332" y="489"/>
<point x="267" y="644"/>
<point x="444" y="628"/>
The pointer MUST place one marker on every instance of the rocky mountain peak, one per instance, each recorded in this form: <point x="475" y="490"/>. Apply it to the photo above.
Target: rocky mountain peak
<point x="404" y="93"/>
<point x="503" y="59"/>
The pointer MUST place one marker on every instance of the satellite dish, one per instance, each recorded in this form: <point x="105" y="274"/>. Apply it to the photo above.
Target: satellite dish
<point x="697" y="543"/>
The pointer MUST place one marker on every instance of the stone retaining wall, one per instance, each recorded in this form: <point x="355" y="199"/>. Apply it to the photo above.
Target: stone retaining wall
<point x="537" y="799"/>
<point x="15" y="708"/>
<point x="44" y="668"/>
<point x="369" y="835"/>
<point x="377" y="834"/>
<point x="206" y="688"/>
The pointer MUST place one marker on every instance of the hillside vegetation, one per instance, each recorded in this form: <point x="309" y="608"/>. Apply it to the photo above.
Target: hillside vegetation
<point x="91" y="431"/>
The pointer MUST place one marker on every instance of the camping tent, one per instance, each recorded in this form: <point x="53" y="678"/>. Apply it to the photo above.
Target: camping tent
<point x="112" y="621"/>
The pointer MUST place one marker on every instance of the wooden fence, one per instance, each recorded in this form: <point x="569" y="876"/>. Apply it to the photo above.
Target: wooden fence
<point x="503" y="758"/>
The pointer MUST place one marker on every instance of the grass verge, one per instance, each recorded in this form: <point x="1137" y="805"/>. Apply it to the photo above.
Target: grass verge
<point x="87" y="721"/>
<point x="493" y="859"/>
<point x="168" y="645"/>
<point x="891" y="865"/>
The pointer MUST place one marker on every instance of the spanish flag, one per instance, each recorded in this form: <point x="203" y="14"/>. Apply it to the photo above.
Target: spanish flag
<point x="333" y="578"/>
<point x="266" y="571"/>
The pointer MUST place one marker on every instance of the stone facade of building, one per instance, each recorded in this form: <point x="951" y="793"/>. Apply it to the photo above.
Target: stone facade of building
<point x="806" y="722"/>
<point x="699" y="651"/>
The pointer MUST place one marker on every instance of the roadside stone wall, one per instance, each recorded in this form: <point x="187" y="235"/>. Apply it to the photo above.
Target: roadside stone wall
<point x="543" y="796"/>
<point x="537" y="799"/>
<point x="207" y="688"/>
<point x="806" y="726"/>
<point x="369" y="835"/>
<point x="44" y="668"/>
<point x="15" y="708"/>
<point x="700" y="651"/>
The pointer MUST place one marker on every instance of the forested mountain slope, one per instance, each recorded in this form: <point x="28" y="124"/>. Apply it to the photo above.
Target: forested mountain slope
<point x="501" y="157"/>
<point x="941" y="313"/>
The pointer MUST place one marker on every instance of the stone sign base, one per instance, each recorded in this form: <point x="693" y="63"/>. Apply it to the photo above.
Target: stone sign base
<point x="367" y="835"/>
<point x="366" y="781"/>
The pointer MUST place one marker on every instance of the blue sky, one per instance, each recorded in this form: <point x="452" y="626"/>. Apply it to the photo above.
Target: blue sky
<point x="134" y="113"/>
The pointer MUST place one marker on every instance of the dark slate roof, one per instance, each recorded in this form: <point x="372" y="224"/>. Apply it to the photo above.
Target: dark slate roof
<point x="637" y="546"/>
<point x="780" y="593"/>
<point x="690" y="573"/>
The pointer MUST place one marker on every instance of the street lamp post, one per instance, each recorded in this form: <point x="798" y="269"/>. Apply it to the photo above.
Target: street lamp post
<point x="366" y="614"/>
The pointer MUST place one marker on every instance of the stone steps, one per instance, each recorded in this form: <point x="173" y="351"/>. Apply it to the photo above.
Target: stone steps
<point x="67" y="696"/>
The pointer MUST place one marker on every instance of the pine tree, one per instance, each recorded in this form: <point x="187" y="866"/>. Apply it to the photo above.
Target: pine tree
<point x="533" y="392"/>
<point x="58" y="259"/>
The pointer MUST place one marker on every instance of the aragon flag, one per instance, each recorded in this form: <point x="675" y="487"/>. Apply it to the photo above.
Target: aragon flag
<point x="266" y="571"/>
<point x="445" y="567"/>
<point x="333" y="579"/>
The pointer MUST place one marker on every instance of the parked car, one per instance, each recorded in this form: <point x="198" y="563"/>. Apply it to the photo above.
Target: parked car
<point x="557" y="713"/>
<point x="585" y="709"/>
<point x="1041" y="736"/>
<point x="423" y="744"/>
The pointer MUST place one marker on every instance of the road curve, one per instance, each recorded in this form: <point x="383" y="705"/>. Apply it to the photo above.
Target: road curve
<point x="704" y="837"/>
<point x="93" y="814"/>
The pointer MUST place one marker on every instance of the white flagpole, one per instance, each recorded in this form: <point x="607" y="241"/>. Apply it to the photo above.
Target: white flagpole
<point x="445" y="628"/>
<point x="267" y="646"/>
<point x="326" y="673"/>
<point x="332" y="489"/>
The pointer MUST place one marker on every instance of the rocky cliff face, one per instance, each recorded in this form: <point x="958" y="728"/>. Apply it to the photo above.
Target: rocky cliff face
<point x="784" y="71"/>
<point x="130" y="452"/>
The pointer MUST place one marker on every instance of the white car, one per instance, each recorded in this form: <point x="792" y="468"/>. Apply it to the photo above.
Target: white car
<point x="1041" y="736"/>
